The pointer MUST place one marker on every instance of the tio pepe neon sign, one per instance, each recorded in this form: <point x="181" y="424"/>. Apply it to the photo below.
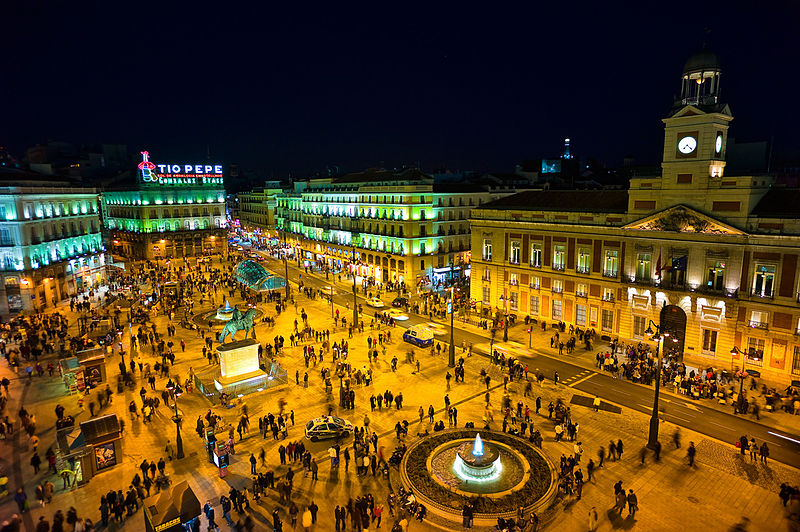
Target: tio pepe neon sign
<point x="179" y="174"/>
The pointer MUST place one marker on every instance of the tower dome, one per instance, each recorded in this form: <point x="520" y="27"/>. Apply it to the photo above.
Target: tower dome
<point x="700" y="79"/>
<point x="704" y="60"/>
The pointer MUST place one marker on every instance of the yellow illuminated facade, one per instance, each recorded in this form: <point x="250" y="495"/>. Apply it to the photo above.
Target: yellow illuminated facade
<point x="723" y="248"/>
<point x="396" y="226"/>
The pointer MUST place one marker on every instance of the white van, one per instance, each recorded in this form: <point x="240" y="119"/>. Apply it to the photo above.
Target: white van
<point x="419" y="335"/>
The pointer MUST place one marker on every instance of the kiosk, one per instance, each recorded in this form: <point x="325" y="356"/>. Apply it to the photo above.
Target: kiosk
<point x="172" y="510"/>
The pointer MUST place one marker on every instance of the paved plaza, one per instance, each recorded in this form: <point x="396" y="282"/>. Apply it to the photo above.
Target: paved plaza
<point x="723" y="489"/>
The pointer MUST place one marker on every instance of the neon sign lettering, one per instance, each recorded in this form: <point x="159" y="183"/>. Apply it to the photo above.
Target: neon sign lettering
<point x="179" y="174"/>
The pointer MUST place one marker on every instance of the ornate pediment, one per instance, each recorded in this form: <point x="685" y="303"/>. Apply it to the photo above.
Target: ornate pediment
<point x="682" y="219"/>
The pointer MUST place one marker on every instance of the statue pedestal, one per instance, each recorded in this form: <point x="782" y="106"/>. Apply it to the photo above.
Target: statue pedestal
<point x="238" y="365"/>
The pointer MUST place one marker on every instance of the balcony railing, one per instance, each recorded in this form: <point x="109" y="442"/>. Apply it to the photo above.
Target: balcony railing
<point x="557" y="289"/>
<point x="534" y="286"/>
<point x="758" y="324"/>
<point x="581" y="294"/>
<point x="535" y="264"/>
<point x="558" y="267"/>
<point x="763" y="295"/>
<point x="582" y="269"/>
<point x="609" y="298"/>
<point x="611" y="274"/>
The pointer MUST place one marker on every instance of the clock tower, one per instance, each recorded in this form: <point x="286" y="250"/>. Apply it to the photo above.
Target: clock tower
<point x="697" y="127"/>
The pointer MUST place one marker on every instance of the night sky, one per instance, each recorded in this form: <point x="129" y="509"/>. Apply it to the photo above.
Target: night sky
<point x="281" y="89"/>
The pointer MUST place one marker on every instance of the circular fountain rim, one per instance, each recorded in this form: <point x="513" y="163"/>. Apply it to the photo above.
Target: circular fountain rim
<point x="526" y="469"/>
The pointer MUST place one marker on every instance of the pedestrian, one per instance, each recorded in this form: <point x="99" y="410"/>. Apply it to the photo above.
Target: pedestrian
<point x="252" y="464"/>
<point x="643" y="454"/>
<point x="589" y="470"/>
<point x="690" y="452"/>
<point x="596" y="405"/>
<point x="764" y="452"/>
<point x="657" y="451"/>
<point x="593" y="519"/>
<point x="633" y="504"/>
<point x="601" y="454"/>
<point x="619" y="449"/>
<point x="753" y="450"/>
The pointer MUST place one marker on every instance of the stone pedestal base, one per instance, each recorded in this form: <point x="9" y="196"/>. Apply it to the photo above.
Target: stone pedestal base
<point x="238" y="364"/>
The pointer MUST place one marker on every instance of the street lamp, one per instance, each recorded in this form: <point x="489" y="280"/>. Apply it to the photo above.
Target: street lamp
<point x="177" y="391"/>
<point x="741" y="374"/>
<point x="355" y="290"/>
<point x="452" y="359"/>
<point x="658" y="336"/>
<point x="504" y="301"/>
<point x="285" y="264"/>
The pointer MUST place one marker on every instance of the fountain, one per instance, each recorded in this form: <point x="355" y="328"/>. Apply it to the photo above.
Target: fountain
<point x="475" y="461"/>
<point x="495" y="472"/>
<point x="225" y="313"/>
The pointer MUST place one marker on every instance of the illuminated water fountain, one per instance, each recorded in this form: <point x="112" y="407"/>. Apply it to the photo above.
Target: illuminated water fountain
<point x="225" y="313"/>
<point x="476" y="461"/>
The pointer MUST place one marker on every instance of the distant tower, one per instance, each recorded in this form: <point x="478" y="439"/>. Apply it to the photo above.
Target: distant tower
<point x="566" y="155"/>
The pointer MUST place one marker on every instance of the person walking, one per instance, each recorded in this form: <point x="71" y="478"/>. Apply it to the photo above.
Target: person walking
<point x="253" y="462"/>
<point x="633" y="504"/>
<point x="593" y="519"/>
<point x="690" y="452"/>
<point x="764" y="452"/>
<point x="619" y="449"/>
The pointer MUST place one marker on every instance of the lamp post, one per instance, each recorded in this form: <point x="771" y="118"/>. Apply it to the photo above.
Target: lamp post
<point x="355" y="290"/>
<point x="177" y="392"/>
<point x="741" y="375"/>
<point x="452" y="358"/>
<point x="504" y="301"/>
<point x="530" y="336"/>
<point x="658" y="336"/>
<point x="285" y="264"/>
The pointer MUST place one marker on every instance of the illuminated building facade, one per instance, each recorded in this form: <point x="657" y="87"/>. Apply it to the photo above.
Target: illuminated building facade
<point x="723" y="248"/>
<point x="172" y="210"/>
<point x="257" y="211"/>
<point x="51" y="246"/>
<point x="402" y="227"/>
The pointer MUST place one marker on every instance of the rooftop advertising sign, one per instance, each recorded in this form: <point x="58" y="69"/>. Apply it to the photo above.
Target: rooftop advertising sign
<point x="179" y="174"/>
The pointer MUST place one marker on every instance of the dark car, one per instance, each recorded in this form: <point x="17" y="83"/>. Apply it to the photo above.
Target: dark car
<point x="400" y="302"/>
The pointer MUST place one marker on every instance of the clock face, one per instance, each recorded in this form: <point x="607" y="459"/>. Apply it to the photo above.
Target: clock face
<point x="718" y="145"/>
<point x="687" y="145"/>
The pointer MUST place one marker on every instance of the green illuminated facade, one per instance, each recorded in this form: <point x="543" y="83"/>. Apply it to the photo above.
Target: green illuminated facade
<point x="50" y="241"/>
<point x="396" y="226"/>
<point x="169" y="219"/>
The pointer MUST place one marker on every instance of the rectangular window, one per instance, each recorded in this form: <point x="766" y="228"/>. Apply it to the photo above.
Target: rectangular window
<point x="487" y="295"/>
<point x="643" y="267"/>
<point x="558" y="286"/>
<point x="639" y="326"/>
<point x="759" y="319"/>
<point x="715" y="279"/>
<point x="796" y="361"/>
<point x="487" y="249"/>
<point x="611" y="266"/>
<point x="580" y="315"/>
<point x="513" y="280"/>
<point x="581" y="290"/>
<point x="557" y="310"/>
<point x="534" y="306"/>
<point x="487" y="275"/>
<point x="558" y="257"/>
<point x="755" y="351"/>
<point x="608" y="294"/>
<point x="709" y="342"/>
<point x="513" y="256"/>
<point x="535" y="282"/>
<point x="608" y="320"/>
<point x="684" y="179"/>
<point x="536" y="255"/>
<point x="584" y="261"/>
<point x="513" y="299"/>
<point x="764" y="281"/>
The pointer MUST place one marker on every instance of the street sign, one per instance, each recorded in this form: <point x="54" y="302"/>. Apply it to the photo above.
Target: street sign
<point x="449" y="307"/>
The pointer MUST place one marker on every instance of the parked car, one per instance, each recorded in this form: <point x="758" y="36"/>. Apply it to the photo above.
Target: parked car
<point x="327" y="427"/>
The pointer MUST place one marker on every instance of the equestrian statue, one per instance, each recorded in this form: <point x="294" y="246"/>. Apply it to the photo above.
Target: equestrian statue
<point x="239" y="322"/>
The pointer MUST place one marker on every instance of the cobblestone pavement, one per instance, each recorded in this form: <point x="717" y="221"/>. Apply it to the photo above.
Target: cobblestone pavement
<point x="719" y="492"/>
